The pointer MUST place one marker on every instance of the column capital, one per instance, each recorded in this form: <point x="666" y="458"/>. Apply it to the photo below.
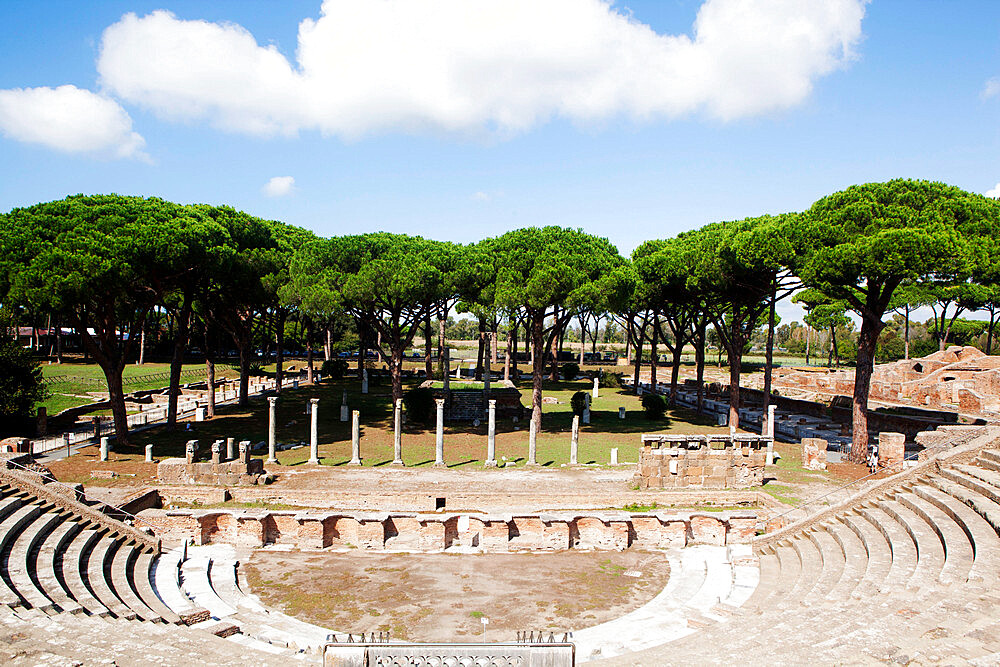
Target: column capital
<point x="272" y="399"/>
<point x="314" y="401"/>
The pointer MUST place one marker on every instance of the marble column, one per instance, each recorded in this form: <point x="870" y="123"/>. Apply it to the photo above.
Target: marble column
<point x="104" y="449"/>
<point x="314" y="431"/>
<point x="355" y="438"/>
<point x="439" y="436"/>
<point x="586" y="409"/>
<point x="397" y="433"/>
<point x="532" y="438"/>
<point x="230" y="449"/>
<point x="596" y="385"/>
<point x="491" y="437"/>
<point x="149" y="453"/>
<point x="574" y="444"/>
<point x="271" y="429"/>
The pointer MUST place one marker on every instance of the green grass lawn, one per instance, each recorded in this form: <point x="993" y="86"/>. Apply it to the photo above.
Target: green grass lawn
<point x="465" y="444"/>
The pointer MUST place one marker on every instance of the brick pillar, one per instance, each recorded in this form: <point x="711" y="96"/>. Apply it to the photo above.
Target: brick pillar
<point x="891" y="449"/>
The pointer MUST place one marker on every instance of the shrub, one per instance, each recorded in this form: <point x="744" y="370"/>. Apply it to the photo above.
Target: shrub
<point x="419" y="403"/>
<point x="654" y="405"/>
<point x="570" y="371"/>
<point x="578" y="402"/>
<point x="255" y="370"/>
<point x="21" y="387"/>
<point x="334" y="368"/>
<point x="612" y="380"/>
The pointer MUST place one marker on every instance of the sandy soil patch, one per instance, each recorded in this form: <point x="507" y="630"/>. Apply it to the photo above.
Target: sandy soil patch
<point x="443" y="597"/>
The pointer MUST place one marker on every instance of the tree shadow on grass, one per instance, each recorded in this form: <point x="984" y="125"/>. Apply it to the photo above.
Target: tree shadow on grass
<point x="462" y="463"/>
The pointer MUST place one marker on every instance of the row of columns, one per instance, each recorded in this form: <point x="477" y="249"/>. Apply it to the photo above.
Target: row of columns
<point x="397" y="440"/>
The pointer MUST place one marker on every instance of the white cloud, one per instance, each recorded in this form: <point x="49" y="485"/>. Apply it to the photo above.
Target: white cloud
<point x="478" y="65"/>
<point x="990" y="89"/>
<point x="279" y="186"/>
<point x="994" y="193"/>
<point x="69" y="119"/>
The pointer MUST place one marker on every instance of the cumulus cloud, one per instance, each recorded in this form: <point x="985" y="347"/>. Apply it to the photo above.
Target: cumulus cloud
<point x="279" y="186"/>
<point x="990" y="89"/>
<point x="482" y="195"/>
<point x="994" y="193"/>
<point x="478" y="65"/>
<point x="71" y="120"/>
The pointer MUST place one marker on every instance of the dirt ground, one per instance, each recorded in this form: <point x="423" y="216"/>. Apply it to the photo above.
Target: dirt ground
<point x="443" y="597"/>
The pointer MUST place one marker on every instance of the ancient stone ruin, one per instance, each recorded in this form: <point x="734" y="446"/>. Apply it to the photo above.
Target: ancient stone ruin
<point x="716" y="461"/>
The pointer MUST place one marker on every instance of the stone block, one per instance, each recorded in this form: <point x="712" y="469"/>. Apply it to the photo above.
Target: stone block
<point x="814" y="453"/>
<point x="891" y="449"/>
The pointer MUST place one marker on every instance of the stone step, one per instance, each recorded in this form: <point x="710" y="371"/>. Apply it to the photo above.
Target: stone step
<point x="930" y="552"/>
<point x="989" y="477"/>
<point x="879" y="556"/>
<point x="166" y="583"/>
<point x="142" y="581"/>
<point x="46" y="565"/>
<point x="811" y="566"/>
<point x="196" y="585"/>
<point x="73" y="565"/>
<point x="121" y="564"/>
<point x="855" y="560"/>
<point x="96" y="566"/>
<point x="770" y="570"/>
<point x="957" y="547"/>
<point x="990" y="455"/>
<point x="971" y="483"/>
<point x="20" y="564"/>
<point x="986" y="508"/>
<point x="901" y="545"/>
<point x="982" y="536"/>
<point x="10" y="529"/>
<point x="833" y="566"/>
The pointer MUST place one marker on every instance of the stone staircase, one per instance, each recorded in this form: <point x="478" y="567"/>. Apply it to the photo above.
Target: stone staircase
<point x="908" y="572"/>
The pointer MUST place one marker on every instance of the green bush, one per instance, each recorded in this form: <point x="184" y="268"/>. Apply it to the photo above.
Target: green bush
<point x="578" y="402"/>
<point x="333" y="369"/>
<point x="612" y="380"/>
<point x="420" y="405"/>
<point x="21" y="388"/>
<point x="654" y="405"/>
<point x="570" y="371"/>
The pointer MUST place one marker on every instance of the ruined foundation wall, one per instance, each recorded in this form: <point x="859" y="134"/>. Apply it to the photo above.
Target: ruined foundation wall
<point x="433" y="533"/>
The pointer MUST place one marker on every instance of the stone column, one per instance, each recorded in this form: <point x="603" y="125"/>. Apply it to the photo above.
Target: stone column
<point x="314" y="431"/>
<point x="344" y="410"/>
<point x="596" y="385"/>
<point x="614" y="456"/>
<point x="397" y="433"/>
<point x="621" y="412"/>
<point x="586" y="409"/>
<point x="149" y="453"/>
<point x="355" y="438"/>
<point x="491" y="436"/>
<point x="439" y="435"/>
<point x="216" y="452"/>
<point x="230" y="449"/>
<point x="486" y="363"/>
<point x="446" y="375"/>
<point x="574" y="444"/>
<point x="532" y="438"/>
<point x="770" y="434"/>
<point x="244" y="452"/>
<point x="364" y="380"/>
<point x="458" y="369"/>
<point x="271" y="429"/>
<point x="104" y="449"/>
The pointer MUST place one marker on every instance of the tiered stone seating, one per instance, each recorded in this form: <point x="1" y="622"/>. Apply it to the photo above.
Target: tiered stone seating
<point x="908" y="572"/>
<point x="77" y="585"/>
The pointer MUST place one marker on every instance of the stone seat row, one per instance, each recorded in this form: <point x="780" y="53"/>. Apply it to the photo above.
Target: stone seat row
<point x="913" y="572"/>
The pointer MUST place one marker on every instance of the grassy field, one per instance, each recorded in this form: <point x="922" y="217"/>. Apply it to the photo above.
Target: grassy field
<point x="71" y="383"/>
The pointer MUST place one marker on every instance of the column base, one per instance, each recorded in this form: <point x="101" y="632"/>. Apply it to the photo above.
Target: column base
<point x="314" y="462"/>
<point x="354" y="462"/>
<point x="490" y="464"/>
<point x="266" y="461"/>
<point x="440" y="464"/>
<point x="398" y="463"/>
<point x="531" y="463"/>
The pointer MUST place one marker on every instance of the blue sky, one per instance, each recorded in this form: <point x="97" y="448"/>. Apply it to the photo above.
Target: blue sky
<point x="909" y="96"/>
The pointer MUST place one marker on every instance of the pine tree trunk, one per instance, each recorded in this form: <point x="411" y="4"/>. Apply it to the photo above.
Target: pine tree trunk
<point x="428" y="348"/>
<point x="537" y="369"/>
<point x="769" y="353"/>
<point x="867" y="340"/>
<point x="210" y="378"/>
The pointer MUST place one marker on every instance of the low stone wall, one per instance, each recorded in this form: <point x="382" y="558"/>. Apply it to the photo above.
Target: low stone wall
<point x="702" y="462"/>
<point x="229" y="473"/>
<point x="614" y="531"/>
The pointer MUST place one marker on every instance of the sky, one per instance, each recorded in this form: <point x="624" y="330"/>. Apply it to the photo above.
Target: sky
<point x="462" y="119"/>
